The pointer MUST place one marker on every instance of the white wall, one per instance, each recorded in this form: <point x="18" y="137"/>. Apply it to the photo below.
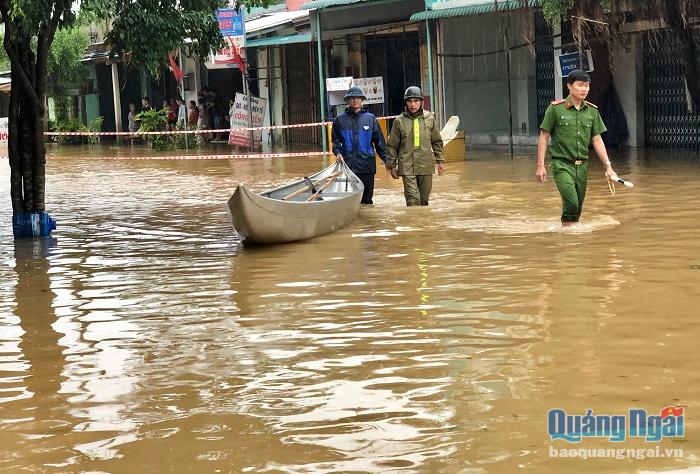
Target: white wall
<point x="629" y="85"/>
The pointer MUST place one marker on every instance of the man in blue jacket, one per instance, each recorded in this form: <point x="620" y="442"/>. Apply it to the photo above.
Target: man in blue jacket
<point x="354" y="134"/>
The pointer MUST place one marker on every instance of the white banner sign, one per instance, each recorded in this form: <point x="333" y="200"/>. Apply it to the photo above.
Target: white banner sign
<point x="239" y="118"/>
<point x="373" y="87"/>
<point x="338" y="84"/>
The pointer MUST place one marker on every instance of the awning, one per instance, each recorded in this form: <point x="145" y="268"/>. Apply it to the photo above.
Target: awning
<point x="271" y="21"/>
<point x="271" y="41"/>
<point x="480" y="9"/>
<point x="320" y="4"/>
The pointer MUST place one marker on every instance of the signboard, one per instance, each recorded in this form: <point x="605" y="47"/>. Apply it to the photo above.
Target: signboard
<point x="373" y="87"/>
<point x="570" y="61"/>
<point x="239" y="118"/>
<point x="3" y="136"/>
<point x="338" y="84"/>
<point x="232" y="29"/>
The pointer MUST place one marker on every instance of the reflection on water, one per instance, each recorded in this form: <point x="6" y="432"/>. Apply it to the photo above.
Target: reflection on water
<point x="418" y="340"/>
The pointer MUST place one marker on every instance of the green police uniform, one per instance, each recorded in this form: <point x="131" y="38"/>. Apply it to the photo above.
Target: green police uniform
<point x="415" y="144"/>
<point x="572" y="131"/>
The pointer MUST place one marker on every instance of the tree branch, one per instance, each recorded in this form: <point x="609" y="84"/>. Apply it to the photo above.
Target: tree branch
<point x="10" y="47"/>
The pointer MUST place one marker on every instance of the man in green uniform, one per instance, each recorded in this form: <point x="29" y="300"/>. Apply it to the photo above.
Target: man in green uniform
<point x="413" y="149"/>
<point x="573" y="124"/>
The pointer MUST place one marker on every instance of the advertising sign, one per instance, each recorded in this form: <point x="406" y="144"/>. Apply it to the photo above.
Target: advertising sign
<point x="570" y="61"/>
<point x="3" y="136"/>
<point x="232" y="29"/>
<point x="239" y="118"/>
<point x="373" y="87"/>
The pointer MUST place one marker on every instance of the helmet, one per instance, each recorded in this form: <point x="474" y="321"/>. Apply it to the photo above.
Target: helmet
<point x="413" y="92"/>
<point x="354" y="92"/>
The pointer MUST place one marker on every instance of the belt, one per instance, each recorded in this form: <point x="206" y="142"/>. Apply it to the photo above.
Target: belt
<point x="573" y="162"/>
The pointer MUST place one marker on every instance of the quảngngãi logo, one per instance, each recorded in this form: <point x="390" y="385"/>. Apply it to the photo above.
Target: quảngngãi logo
<point x="637" y="423"/>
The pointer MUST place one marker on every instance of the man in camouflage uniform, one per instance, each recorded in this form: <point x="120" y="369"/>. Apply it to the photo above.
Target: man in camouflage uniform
<point x="413" y="149"/>
<point x="573" y="123"/>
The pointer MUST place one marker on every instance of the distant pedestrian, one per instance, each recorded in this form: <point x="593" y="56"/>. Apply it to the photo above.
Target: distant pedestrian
<point x="145" y="104"/>
<point x="356" y="137"/>
<point x="193" y="120"/>
<point x="133" y="125"/>
<point x="573" y="123"/>
<point x="413" y="149"/>
<point x="181" y="113"/>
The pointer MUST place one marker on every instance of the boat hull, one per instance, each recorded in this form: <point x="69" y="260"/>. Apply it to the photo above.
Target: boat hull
<point x="267" y="219"/>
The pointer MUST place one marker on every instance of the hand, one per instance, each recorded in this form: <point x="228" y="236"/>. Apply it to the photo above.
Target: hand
<point x="394" y="172"/>
<point x="541" y="174"/>
<point x="609" y="172"/>
<point x="339" y="158"/>
<point x="441" y="169"/>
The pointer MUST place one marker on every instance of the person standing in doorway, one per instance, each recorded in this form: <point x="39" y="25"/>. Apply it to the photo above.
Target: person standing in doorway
<point x="414" y="148"/>
<point x="181" y="114"/>
<point x="193" y="120"/>
<point x="356" y="137"/>
<point x="573" y="124"/>
<point x="145" y="104"/>
<point x="133" y="125"/>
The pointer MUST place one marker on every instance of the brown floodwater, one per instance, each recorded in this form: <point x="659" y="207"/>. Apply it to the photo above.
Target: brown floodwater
<point x="143" y="337"/>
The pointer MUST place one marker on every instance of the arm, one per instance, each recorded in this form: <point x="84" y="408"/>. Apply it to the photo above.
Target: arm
<point x="336" y="138"/>
<point x="378" y="141"/>
<point x="547" y="126"/>
<point x="541" y="172"/>
<point x="392" y="146"/>
<point x="602" y="153"/>
<point x="436" y="143"/>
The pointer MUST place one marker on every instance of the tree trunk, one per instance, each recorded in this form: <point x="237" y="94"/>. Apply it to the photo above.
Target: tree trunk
<point x="26" y="151"/>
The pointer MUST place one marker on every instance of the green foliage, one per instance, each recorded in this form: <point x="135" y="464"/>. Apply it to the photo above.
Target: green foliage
<point x="64" y="66"/>
<point x="554" y="10"/>
<point x="192" y="140"/>
<point x="75" y="125"/>
<point x="145" y="31"/>
<point x="152" y="121"/>
<point x="94" y="125"/>
<point x="61" y="104"/>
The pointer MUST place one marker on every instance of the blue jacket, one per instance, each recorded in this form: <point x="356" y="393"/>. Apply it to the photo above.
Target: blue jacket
<point x="353" y="136"/>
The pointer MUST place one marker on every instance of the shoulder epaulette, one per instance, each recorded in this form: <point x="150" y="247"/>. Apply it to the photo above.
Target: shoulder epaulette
<point x="557" y="102"/>
<point x="591" y="104"/>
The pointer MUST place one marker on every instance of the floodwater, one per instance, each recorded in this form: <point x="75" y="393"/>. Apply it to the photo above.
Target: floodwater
<point x="144" y="338"/>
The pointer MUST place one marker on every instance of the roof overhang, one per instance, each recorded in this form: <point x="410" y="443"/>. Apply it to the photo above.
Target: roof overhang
<point x="471" y="9"/>
<point x="348" y="14"/>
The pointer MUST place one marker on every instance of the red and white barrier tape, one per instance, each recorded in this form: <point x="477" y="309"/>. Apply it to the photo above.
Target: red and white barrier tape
<point x="203" y="157"/>
<point x="197" y="132"/>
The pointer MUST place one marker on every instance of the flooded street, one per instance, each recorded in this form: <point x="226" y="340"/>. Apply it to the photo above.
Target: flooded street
<point x="143" y="337"/>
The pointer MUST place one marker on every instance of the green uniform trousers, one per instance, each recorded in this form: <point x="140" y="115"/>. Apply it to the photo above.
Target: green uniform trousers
<point x="417" y="189"/>
<point x="571" y="180"/>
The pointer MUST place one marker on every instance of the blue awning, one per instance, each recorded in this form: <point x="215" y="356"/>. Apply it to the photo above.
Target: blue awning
<point x="275" y="40"/>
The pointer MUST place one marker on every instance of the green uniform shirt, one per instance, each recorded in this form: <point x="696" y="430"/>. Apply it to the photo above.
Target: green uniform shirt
<point x="571" y="129"/>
